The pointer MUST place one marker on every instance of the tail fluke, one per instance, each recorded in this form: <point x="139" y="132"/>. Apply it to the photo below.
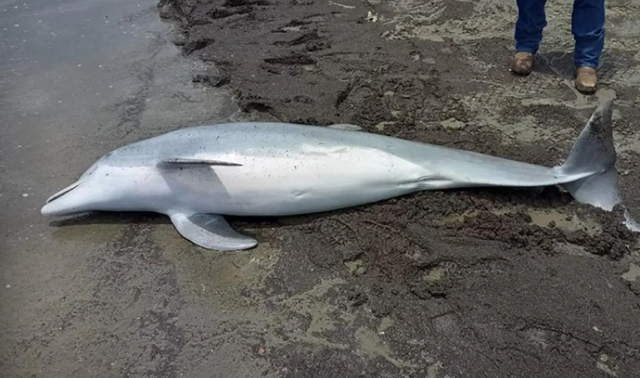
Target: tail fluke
<point x="600" y="190"/>
<point x="595" y="153"/>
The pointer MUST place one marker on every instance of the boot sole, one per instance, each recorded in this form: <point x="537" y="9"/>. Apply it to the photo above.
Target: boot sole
<point x="585" y="90"/>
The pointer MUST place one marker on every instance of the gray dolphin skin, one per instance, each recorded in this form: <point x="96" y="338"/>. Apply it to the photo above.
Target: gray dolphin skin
<point x="198" y="175"/>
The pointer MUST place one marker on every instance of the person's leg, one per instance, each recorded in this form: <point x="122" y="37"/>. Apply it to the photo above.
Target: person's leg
<point x="530" y="24"/>
<point x="588" y="30"/>
<point x="528" y="34"/>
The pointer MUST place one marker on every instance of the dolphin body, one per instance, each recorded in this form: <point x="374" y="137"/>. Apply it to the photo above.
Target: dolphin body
<point x="198" y="175"/>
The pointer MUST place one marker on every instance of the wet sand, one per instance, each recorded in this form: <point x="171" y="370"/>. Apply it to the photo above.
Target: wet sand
<point x="473" y="283"/>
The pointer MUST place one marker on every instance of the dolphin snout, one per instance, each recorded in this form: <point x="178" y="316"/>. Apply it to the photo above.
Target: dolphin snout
<point x="67" y="201"/>
<point x="45" y="210"/>
<point x="52" y="209"/>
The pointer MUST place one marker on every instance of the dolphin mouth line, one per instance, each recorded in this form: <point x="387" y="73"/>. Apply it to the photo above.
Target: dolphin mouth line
<point x="63" y="192"/>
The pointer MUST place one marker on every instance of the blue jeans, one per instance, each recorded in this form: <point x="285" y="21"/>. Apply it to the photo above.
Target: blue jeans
<point x="587" y="25"/>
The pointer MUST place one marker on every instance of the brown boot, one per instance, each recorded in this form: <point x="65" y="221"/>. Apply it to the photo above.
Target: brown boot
<point x="522" y="63"/>
<point x="586" y="79"/>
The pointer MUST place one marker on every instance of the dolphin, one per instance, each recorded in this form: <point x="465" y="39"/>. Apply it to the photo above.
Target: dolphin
<point x="198" y="175"/>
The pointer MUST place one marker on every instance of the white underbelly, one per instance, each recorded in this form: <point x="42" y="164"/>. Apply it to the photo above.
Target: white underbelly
<point x="286" y="185"/>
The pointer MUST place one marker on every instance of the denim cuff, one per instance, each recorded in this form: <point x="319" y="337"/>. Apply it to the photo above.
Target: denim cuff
<point x="585" y="64"/>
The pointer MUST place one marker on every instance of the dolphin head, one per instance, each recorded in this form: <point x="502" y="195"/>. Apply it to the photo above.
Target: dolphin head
<point x="90" y="192"/>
